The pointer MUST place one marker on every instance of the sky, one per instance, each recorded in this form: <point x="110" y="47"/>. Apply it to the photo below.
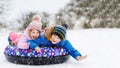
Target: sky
<point x="22" y="6"/>
<point x="101" y="45"/>
<point x="50" y="6"/>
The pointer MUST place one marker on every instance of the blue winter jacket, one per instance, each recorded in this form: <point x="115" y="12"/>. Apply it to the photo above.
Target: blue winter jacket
<point x="43" y="41"/>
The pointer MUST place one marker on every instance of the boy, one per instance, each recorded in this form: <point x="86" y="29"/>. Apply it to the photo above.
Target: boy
<point x="55" y="36"/>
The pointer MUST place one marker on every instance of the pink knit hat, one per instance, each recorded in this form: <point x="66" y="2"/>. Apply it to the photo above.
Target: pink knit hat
<point x="35" y="24"/>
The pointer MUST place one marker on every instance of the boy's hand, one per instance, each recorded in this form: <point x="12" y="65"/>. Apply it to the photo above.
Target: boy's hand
<point x="81" y="57"/>
<point x="38" y="49"/>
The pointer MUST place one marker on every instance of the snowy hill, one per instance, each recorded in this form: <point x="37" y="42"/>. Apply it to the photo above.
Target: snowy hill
<point x="101" y="46"/>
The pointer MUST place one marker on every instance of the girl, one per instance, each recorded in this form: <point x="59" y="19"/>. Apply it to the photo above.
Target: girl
<point x="55" y="36"/>
<point x="32" y="32"/>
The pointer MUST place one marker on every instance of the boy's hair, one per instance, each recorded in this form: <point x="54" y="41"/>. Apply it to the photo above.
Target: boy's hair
<point x="58" y="30"/>
<point x="48" y="32"/>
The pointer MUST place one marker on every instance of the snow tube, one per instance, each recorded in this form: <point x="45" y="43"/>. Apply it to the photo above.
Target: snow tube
<point x="49" y="55"/>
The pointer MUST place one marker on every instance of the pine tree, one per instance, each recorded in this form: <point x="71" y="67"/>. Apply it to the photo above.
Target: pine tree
<point x="45" y="19"/>
<point x="4" y="7"/>
<point x="25" y="19"/>
<point x="105" y="12"/>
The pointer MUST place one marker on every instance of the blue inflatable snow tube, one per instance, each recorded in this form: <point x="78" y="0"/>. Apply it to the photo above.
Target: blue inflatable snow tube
<point x="49" y="55"/>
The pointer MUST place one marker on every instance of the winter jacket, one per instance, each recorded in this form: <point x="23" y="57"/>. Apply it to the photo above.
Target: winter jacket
<point x="43" y="41"/>
<point x="23" y="44"/>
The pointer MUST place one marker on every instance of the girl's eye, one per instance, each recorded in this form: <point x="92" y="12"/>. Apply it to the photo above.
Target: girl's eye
<point x="37" y="32"/>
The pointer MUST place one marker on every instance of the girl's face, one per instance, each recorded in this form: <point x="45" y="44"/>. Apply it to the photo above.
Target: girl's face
<point x="55" y="39"/>
<point x="34" y="34"/>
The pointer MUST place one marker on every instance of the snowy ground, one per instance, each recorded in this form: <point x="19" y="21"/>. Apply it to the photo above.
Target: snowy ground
<point x="101" y="45"/>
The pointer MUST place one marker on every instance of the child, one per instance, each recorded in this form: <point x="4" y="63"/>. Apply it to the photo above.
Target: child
<point x="32" y="32"/>
<point x="55" y="36"/>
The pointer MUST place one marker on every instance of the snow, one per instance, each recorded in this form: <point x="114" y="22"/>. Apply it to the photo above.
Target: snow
<point x="101" y="46"/>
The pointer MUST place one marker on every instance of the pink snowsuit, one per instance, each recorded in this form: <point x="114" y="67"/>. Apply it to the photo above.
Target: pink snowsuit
<point x="20" y="39"/>
<point x="23" y="44"/>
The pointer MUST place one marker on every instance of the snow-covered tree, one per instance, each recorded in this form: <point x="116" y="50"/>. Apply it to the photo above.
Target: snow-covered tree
<point x="98" y="13"/>
<point x="63" y="18"/>
<point x="45" y="17"/>
<point x="4" y="7"/>
<point x="26" y="18"/>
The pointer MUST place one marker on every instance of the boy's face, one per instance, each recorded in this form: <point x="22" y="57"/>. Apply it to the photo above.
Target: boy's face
<point x="55" y="39"/>
<point x="34" y="34"/>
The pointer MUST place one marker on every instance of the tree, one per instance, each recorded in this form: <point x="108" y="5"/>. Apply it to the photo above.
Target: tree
<point x="107" y="11"/>
<point x="25" y="19"/>
<point x="4" y="7"/>
<point x="62" y="18"/>
<point x="45" y="19"/>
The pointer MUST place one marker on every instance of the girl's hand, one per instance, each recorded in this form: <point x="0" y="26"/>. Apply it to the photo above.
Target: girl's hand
<point x="81" y="57"/>
<point x="38" y="49"/>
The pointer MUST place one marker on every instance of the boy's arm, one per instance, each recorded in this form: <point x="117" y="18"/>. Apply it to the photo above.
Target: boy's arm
<point x="35" y="43"/>
<point x="72" y="51"/>
<point x="32" y="44"/>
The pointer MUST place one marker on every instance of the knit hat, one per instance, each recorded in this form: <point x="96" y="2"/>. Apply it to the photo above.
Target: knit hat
<point x="60" y="31"/>
<point x="35" y="24"/>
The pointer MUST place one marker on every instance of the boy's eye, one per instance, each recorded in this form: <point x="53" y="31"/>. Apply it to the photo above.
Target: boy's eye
<point x="55" y="35"/>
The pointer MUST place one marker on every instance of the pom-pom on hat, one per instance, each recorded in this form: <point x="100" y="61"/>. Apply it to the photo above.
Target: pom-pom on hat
<point x="36" y="18"/>
<point x="35" y="24"/>
<point x="60" y="31"/>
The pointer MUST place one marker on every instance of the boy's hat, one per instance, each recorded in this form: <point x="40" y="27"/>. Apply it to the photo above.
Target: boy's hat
<point x="60" y="31"/>
<point x="35" y="24"/>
